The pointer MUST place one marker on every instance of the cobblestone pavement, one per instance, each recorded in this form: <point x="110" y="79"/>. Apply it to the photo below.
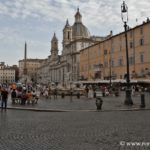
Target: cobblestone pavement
<point x="109" y="103"/>
<point x="28" y="130"/>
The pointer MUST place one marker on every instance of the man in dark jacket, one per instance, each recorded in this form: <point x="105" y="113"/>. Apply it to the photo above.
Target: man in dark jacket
<point x="55" y="93"/>
<point x="13" y="96"/>
<point x="4" y="95"/>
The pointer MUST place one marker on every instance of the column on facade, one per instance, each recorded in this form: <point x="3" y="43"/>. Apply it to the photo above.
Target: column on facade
<point x="60" y="75"/>
<point x="52" y="75"/>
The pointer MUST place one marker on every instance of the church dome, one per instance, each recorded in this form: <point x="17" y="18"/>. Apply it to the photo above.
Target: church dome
<point x="78" y="29"/>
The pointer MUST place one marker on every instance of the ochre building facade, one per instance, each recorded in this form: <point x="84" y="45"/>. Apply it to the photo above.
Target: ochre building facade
<point x="107" y="59"/>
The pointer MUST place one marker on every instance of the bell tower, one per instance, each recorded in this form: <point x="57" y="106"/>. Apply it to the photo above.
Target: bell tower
<point x="54" y="47"/>
<point x="67" y="34"/>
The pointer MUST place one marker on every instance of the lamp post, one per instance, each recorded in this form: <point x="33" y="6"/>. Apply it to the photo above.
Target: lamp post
<point x="110" y="72"/>
<point x="124" y="15"/>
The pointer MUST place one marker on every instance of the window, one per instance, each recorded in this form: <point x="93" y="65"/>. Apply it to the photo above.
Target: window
<point x="141" y="30"/>
<point x="105" y="52"/>
<point x="120" y="62"/>
<point x="68" y="35"/>
<point x="131" y="44"/>
<point x="114" y="75"/>
<point x="99" y="52"/>
<point x="75" y="60"/>
<point x="131" y="34"/>
<point x="120" y="48"/>
<point x="142" y="41"/>
<point x="131" y="60"/>
<point x="142" y="57"/>
<point x="120" y="76"/>
<point x="142" y="72"/>
<point x="82" y="45"/>
<point x="112" y="63"/>
<point x="86" y="67"/>
<point x="89" y="66"/>
<point x="106" y="63"/>
<point x="68" y="67"/>
<point x="112" y="50"/>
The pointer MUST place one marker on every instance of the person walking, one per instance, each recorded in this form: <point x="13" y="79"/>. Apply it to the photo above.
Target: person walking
<point x="0" y="93"/>
<point x="24" y="97"/>
<point x="29" y="97"/>
<point x="55" y="93"/>
<point x="86" y="91"/>
<point x="4" y="95"/>
<point x="90" y="92"/>
<point x="49" y="92"/>
<point x="33" y="97"/>
<point x="37" y="96"/>
<point x="13" y="96"/>
<point x="133" y="90"/>
<point x="46" y="93"/>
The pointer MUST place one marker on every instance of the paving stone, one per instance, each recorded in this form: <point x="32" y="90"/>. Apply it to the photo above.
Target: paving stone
<point x="27" y="130"/>
<point x="109" y="103"/>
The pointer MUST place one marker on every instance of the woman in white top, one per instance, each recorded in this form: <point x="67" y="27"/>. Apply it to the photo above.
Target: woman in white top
<point x="90" y="92"/>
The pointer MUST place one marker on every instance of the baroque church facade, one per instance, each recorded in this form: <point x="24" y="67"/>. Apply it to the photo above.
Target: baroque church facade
<point x="64" y="68"/>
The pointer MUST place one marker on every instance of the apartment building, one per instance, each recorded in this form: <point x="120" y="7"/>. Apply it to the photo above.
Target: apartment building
<point x="107" y="59"/>
<point x="7" y="73"/>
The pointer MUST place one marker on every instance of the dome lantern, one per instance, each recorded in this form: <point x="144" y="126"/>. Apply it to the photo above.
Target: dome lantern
<point x="78" y="16"/>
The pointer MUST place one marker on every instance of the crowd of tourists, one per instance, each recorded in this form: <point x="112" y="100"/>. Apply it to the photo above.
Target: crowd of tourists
<point x="105" y="90"/>
<point x="112" y="90"/>
<point x="24" y="97"/>
<point x="19" y="95"/>
<point x="24" y="94"/>
<point x="30" y="94"/>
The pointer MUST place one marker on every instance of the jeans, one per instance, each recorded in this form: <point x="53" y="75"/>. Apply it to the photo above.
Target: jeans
<point x="4" y="103"/>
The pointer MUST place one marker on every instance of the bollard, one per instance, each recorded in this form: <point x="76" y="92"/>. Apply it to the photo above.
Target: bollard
<point x="142" y="101"/>
<point x="71" y="95"/>
<point x="78" y="95"/>
<point x="99" y="103"/>
<point x="94" y="94"/>
<point x="103" y="94"/>
<point x="116" y="93"/>
<point x="62" y="95"/>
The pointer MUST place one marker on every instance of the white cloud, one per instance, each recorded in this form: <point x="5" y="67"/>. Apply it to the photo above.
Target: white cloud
<point x="31" y="19"/>
<point x="52" y="10"/>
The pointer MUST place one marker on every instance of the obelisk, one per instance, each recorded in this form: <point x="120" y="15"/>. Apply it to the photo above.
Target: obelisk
<point x="25" y="59"/>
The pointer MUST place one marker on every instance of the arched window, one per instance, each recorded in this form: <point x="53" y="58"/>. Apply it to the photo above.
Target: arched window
<point x="68" y="35"/>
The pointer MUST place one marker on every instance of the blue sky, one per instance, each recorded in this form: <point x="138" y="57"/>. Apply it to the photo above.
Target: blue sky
<point x="35" y="22"/>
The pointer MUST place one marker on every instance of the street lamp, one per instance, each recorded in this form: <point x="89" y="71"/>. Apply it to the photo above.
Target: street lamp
<point x="110" y="72"/>
<point x="124" y="15"/>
